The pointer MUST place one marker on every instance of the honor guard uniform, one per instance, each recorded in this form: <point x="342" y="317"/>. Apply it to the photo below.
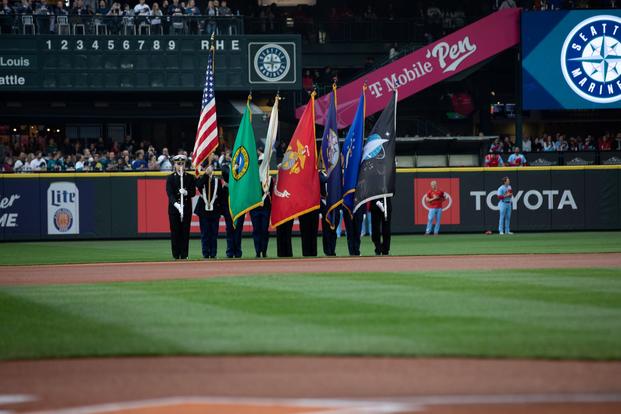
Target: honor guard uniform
<point x="309" y="226"/>
<point x="328" y="235"/>
<point x="381" y="212"/>
<point x="260" y="217"/>
<point x="353" y="227"/>
<point x="180" y="188"/>
<point x="209" y="209"/>
<point x="233" y="235"/>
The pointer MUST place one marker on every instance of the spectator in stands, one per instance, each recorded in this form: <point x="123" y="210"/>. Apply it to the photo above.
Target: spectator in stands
<point x="561" y="144"/>
<point x="210" y="12"/>
<point x="5" y="23"/>
<point x="618" y="140"/>
<point x="60" y="9"/>
<point x="24" y="8"/>
<point x="604" y="143"/>
<point x="142" y="9"/>
<point x="224" y="9"/>
<point x="573" y="144"/>
<point x="156" y="19"/>
<point x="79" y="163"/>
<point x="307" y="81"/>
<point x="139" y="163"/>
<point x="7" y="165"/>
<point x="527" y="144"/>
<point x="517" y="159"/>
<point x="393" y="52"/>
<point x="5" y="9"/>
<point x="507" y="145"/>
<point x="175" y="9"/>
<point x="493" y="159"/>
<point x="496" y="146"/>
<point x="163" y="161"/>
<point x="20" y="162"/>
<point x="153" y="165"/>
<point x="548" y="144"/>
<point x="70" y="163"/>
<point x="102" y="9"/>
<point x="38" y="163"/>
<point x="51" y="146"/>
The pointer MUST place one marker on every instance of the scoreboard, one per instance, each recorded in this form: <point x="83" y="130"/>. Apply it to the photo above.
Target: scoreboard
<point x="148" y="63"/>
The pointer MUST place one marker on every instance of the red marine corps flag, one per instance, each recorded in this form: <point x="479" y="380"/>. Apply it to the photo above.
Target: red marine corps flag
<point x="207" y="131"/>
<point x="296" y="191"/>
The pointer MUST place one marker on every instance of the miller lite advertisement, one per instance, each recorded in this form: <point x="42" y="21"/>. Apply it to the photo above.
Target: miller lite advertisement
<point x="63" y="208"/>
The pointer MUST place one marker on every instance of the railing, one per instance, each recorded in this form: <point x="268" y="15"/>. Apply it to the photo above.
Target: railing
<point x="121" y="25"/>
<point x="313" y="30"/>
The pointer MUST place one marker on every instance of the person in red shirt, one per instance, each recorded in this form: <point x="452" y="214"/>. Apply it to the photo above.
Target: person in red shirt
<point x="434" y="200"/>
<point x="605" y="143"/>
<point x="493" y="160"/>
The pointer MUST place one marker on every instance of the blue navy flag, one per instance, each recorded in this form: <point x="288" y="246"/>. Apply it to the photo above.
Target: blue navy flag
<point x="331" y="159"/>
<point x="376" y="179"/>
<point x="352" y="155"/>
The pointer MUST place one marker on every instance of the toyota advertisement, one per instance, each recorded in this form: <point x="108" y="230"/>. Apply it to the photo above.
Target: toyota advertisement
<point x="116" y="206"/>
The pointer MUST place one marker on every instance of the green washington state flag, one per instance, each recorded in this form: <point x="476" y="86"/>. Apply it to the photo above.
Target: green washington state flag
<point x="245" y="191"/>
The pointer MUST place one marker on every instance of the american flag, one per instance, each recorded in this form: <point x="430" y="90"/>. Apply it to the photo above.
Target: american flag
<point x="207" y="132"/>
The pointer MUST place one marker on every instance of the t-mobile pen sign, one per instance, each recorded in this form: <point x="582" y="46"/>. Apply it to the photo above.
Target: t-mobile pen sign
<point x="426" y="66"/>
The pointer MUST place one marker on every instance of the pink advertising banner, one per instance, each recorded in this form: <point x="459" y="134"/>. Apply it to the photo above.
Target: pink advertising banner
<point x="426" y="66"/>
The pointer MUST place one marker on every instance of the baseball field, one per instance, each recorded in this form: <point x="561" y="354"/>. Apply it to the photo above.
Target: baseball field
<point x="448" y="324"/>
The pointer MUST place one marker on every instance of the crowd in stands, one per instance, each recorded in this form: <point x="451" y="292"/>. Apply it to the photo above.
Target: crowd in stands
<point x="503" y="152"/>
<point x="560" y="143"/>
<point x="45" y="155"/>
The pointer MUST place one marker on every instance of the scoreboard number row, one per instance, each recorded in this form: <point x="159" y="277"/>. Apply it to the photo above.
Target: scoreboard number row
<point x="110" y="44"/>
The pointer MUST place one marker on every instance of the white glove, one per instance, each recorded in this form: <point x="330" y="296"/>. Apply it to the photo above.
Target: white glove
<point x="178" y="207"/>
<point x="183" y="191"/>
<point x="380" y="205"/>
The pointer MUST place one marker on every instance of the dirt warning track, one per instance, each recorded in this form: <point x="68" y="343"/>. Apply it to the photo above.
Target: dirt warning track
<point x="123" y="272"/>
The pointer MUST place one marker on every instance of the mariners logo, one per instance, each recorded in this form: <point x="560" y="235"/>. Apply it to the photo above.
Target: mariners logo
<point x="272" y="62"/>
<point x="63" y="219"/>
<point x="241" y="161"/>
<point x="591" y="59"/>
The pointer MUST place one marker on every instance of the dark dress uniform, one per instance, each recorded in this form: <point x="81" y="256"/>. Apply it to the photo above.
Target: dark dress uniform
<point x="283" y="239"/>
<point x="180" y="230"/>
<point x="328" y="235"/>
<point x="380" y="226"/>
<point x="233" y="235"/>
<point x="260" y="217"/>
<point x="353" y="227"/>
<point x="209" y="189"/>
<point x="309" y="227"/>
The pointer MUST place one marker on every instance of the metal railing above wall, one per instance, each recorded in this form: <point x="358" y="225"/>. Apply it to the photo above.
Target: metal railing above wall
<point x="121" y="25"/>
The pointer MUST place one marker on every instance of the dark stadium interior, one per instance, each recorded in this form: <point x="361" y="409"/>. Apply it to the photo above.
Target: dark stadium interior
<point x="341" y="41"/>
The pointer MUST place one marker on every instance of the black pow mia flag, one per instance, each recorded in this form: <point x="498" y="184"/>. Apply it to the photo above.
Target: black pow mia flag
<point x="376" y="179"/>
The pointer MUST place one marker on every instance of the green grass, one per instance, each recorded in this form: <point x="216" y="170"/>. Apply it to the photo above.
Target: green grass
<point x="552" y="313"/>
<point x="158" y="250"/>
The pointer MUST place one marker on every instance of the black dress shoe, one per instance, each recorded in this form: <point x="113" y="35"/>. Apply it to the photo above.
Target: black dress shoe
<point x="258" y="256"/>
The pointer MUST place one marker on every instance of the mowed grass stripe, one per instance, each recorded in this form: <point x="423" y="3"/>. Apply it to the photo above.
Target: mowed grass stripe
<point x="412" y="314"/>
<point x="55" y="252"/>
<point x="193" y="328"/>
<point x="30" y="329"/>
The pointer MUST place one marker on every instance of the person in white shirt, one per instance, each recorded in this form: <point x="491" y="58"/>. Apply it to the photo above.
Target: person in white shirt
<point x="38" y="164"/>
<point x="527" y="144"/>
<point x="79" y="163"/>
<point x="20" y="163"/>
<point x="164" y="161"/>
<point x="142" y="9"/>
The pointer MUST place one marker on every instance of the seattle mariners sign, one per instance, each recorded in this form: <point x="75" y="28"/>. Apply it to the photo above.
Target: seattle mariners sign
<point x="274" y="62"/>
<point x="572" y="60"/>
<point x="591" y="59"/>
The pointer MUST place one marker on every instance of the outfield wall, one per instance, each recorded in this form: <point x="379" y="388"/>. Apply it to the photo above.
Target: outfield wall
<point x="54" y="206"/>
